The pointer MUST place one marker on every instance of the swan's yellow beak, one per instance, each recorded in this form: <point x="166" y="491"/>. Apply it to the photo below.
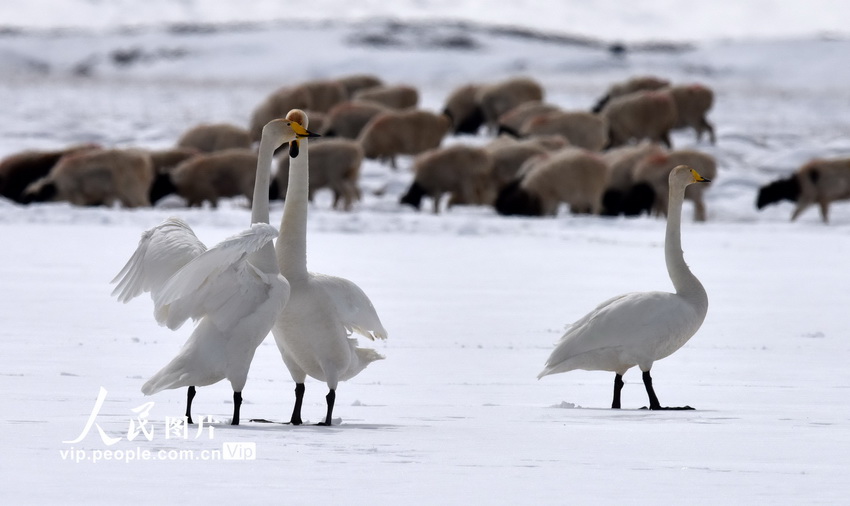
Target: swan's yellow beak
<point x="300" y="131"/>
<point x="698" y="178"/>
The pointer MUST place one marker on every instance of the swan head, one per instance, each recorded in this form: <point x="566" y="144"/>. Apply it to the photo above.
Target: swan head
<point x="682" y="176"/>
<point x="298" y="122"/>
<point x="289" y="129"/>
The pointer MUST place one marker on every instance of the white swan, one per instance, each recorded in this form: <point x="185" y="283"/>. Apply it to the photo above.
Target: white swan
<point x="636" y="329"/>
<point x="235" y="289"/>
<point x="312" y="330"/>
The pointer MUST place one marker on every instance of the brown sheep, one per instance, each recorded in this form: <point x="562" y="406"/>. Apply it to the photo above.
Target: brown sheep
<point x="463" y="109"/>
<point x="652" y="172"/>
<point x="323" y="95"/>
<point x="19" y="170"/>
<point x="407" y="132"/>
<point x="462" y="171"/>
<point x="508" y="157"/>
<point x="393" y="96"/>
<point x="209" y="177"/>
<point x="620" y="196"/>
<point x="164" y="161"/>
<point x="277" y="105"/>
<point x="582" y="129"/>
<point x="511" y="122"/>
<point x="211" y="137"/>
<point x="693" y="101"/>
<point x="572" y="175"/>
<point x="356" y="82"/>
<point x="641" y="115"/>
<point x="334" y="164"/>
<point x="820" y="181"/>
<point x="347" y="119"/>
<point x="639" y="83"/>
<point x="97" y="177"/>
<point x="497" y="99"/>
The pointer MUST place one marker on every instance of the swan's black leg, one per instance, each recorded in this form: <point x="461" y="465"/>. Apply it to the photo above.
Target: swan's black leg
<point x="299" y="399"/>
<point x="618" y="386"/>
<point x="237" y="403"/>
<point x="189" y="396"/>
<point x="653" y="399"/>
<point x="331" y="397"/>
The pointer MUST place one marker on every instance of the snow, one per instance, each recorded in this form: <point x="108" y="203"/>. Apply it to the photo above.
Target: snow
<point x="473" y="302"/>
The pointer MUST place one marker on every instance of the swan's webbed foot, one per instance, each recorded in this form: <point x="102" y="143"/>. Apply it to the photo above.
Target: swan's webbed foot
<point x="331" y="397"/>
<point x="654" y="405"/>
<point x="668" y="408"/>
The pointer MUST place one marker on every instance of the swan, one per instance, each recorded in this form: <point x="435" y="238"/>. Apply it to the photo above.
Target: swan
<point x="235" y="288"/>
<point x="636" y="329"/>
<point x="312" y="332"/>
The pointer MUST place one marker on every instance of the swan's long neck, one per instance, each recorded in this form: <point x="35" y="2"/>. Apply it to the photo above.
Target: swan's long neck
<point x="292" y="244"/>
<point x="687" y="285"/>
<point x="260" y="207"/>
<point x="264" y="259"/>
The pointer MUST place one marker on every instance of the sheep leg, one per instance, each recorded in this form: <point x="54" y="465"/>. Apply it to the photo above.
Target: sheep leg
<point x="189" y="396"/>
<point x="653" y="399"/>
<point x="802" y="205"/>
<point x="331" y="397"/>
<point x="618" y="386"/>
<point x="824" y="210"/>
<point x="707" y="126"/>
<point x="299" y="400"/>
<point x="237" y="404"/>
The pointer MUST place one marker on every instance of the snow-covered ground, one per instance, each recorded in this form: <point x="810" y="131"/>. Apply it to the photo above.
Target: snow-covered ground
<point x="473" y="302"/>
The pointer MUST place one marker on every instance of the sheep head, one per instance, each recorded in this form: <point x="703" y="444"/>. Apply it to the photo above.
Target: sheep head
<point x="783" y="189"/>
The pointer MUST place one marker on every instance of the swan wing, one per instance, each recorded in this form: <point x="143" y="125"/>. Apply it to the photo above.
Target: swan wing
<point x="355" y="310"/>
<point x="161" y="252"/>
<point x="221" y="283"/>
<point x="622" y="329"/>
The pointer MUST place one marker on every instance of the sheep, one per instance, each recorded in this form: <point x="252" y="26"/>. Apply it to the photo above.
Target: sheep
<point x="630" y="86"/>
<point x="277" y="105"/>
<point x="620" y="196"/>
<point x="323" y="95"/>
<point x="640" y="115"/>
<point x="210" y="176"/>
<point x="334" y="164"/>
<point x="581" y="129"/>
<point x="651" y="175"/>
<point x="97" y="177"/>
<point x="497" y="99"/>
<point x="693" y="102"/>
<point x="463" y="171"/>
<point x="19" y="170"/>
<point x="572" y="175"/>
<point x="356" y="82"/>
<point x="164" y="161"/>
<point x="511" y="122"/>
<point x="211" y="137"/>
<point x="508" y="157"/>
<point x="818" y="181"/>
<point x="347" y="119"/>
<point x="464" y="110"/>
<point x="407" y="132"/>
<point x="395" y="97"/>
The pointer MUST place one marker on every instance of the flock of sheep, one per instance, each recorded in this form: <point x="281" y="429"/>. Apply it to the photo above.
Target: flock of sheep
<point x="611" y="160"/>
